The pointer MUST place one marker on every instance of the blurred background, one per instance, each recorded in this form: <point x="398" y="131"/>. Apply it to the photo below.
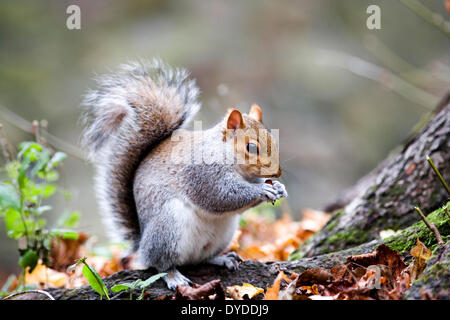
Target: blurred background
<point x="343" y="96"/>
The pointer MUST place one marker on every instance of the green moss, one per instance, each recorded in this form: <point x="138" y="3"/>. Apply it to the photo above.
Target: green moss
<point x="299" y="252"/>
<point x="408" y="237"/>
<point x="349" y="237"/>
<point x="296" y="255"/>
<point x="436" y="272"/>
<point x="334" y="220"/>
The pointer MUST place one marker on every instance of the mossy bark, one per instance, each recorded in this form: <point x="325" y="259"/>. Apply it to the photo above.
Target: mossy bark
<point x="385" y="199"/>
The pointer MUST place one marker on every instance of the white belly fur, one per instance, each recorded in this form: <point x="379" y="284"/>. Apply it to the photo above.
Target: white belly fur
<point x="202" y="233"/>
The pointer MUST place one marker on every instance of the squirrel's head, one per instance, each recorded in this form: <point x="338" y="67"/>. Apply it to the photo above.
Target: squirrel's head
<point x="255" y="148"/>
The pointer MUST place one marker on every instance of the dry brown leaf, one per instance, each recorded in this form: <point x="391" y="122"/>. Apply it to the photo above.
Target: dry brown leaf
<point x="421" y="251"/>
<point x="382" y="255"/>
<point x="65" y="251"/>
<point x="421" y="254"/>
<point x="212" y="290"/>
<point x="314" y="276"/>
<point x="377" y="275"/>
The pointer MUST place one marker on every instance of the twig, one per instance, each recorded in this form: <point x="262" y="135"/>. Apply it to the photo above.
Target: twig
<point x="48" y="295"/>
<point x="376" y="73"/>
<point x="19" y="122"/>
<point x="401" y="67"/>
<point x="429" y="16"/>
<point x="35" y="130"/>
<point x="7" y="153"/>
<point x="431" y="226"/>
<point x="438" y="174"/>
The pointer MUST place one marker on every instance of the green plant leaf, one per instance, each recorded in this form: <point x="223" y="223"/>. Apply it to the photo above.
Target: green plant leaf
<point x="65" y="234"/>
<point x="22" y="178"/>
<point x="121" y="287"/>
<point x="29" y="150"/>
<point x="70" y="219"/>
<point x="42" y="209"/>
<point x="48" y="190"/>
<point x="57" y="158"/>
<point x="94" y="279"/>
<point x="67" y="195"/>
<point x="13" y="220"/>
<point x="12" y="169"/>
<point x="9" y="197"/>
<point x="29" y="259"/>
<point x="41" y="222"/>
<point x="42" y="161"/>
<point x="150" y="280"/>
<point x="49" y="176"/>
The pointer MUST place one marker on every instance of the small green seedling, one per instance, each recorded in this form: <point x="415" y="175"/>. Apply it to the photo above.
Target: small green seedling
<point x="137" y="284"/>
<point x="93" y="278"/>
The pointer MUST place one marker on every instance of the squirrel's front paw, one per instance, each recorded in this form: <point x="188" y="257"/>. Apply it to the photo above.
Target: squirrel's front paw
<point x="274" y="191"/>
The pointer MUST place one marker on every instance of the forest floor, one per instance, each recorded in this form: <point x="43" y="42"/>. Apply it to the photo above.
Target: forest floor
<point x="401" y="264"/>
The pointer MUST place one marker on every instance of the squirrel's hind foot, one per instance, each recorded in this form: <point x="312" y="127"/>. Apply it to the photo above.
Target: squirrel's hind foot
<point x="230" y="261"/>
<point x="174" y="278"/>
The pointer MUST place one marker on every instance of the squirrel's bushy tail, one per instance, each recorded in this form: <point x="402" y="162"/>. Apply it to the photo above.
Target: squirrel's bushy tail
<point x="131" y="111"/>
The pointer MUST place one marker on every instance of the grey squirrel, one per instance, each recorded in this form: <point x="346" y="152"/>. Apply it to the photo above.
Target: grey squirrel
<point x="174" y="212"/>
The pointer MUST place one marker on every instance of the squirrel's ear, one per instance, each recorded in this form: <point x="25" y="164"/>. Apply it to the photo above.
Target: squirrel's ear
<point x="235" y="120"/>
<point x="255" y="112"/>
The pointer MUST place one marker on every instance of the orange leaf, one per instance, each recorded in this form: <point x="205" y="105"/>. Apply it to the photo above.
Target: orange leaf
<point x="272" y="292"/>
<point x="43" y="275"/>
<point x="238" y="292"/>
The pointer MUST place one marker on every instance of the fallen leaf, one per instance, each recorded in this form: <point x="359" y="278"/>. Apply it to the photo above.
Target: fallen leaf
<point x="263" y="239"/>
<point x="212" y="290"/>
<point x="65" y="251"/>
<point x="314" y="276"/>
<point x="378" y="275"/>
<point x="382" y="255"/>
<point x="421" y="251"/>
<point x="246" y="291"/>
<point x="44" y="276"/>
<point x="421" y="254"/>
<point x="272" y="292"/>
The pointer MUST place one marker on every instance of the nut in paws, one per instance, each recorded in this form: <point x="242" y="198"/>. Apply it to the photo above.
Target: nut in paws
<point x="274" y="190"/>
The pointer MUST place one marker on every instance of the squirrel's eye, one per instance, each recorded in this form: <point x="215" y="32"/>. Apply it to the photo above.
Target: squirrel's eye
<point x="252" y="148"/>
